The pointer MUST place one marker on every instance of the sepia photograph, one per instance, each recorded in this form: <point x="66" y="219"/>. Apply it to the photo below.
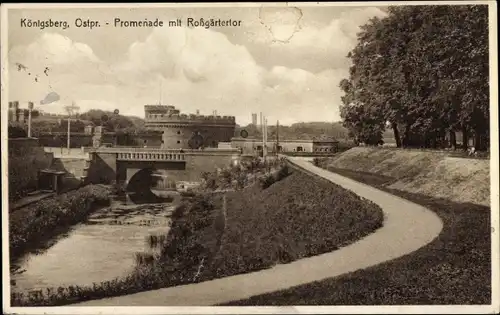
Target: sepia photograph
<point x="257" y="158"/>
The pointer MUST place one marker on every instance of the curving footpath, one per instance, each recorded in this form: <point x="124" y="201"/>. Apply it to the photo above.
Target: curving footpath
<point x="407" y="227"/>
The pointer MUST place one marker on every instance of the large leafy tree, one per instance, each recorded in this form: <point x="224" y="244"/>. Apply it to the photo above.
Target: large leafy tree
<point x="424" y="70"/>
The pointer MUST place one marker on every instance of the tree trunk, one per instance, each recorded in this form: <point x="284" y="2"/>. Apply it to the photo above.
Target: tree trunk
<point x="396" y="134"/>
<point x="406" y="139"/>
<point x="477" y="140"/>
<point x="453" y="139"/>
<point x="465" y="139"/>
<point x="480" y="140"/>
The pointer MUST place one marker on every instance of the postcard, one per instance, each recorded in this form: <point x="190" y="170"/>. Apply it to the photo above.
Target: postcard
<point x="260" y="158"/>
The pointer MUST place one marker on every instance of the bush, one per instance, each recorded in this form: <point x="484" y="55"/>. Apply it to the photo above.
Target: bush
<point x="17" y="132"/>
<point x="266" y="181"/>
<point x="282" y="173"/>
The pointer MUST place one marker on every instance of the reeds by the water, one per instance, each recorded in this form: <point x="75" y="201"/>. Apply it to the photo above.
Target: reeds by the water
<point x="156" y="241"/>
<point x="143" y="258"/>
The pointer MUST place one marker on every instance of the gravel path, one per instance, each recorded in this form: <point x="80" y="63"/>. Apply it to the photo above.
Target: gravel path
<point x="407" y="227"/>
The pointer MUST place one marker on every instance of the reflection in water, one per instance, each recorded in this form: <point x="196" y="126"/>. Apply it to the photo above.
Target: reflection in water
<point x="145" y="197"/>
<point x="101" y="249"/>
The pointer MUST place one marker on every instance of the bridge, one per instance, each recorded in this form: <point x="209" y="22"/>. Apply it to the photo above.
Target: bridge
<point x="137" y="168"/>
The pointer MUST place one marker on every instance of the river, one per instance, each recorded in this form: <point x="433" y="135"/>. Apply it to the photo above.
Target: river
<point x="102" y="248"/>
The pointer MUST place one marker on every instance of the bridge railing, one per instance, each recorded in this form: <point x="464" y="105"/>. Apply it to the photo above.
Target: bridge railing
<point x="158" y="154"/>
<point x="151" y="156"/>
<point x="160" y="150"/>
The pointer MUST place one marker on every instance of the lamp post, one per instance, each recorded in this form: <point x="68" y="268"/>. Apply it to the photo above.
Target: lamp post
<point x="71" y="110"/>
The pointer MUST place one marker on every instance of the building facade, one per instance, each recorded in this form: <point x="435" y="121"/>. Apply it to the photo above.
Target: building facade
<point x="17" y="114"/>
<point x="181" y="131"/>
<point x="254" y="146"/>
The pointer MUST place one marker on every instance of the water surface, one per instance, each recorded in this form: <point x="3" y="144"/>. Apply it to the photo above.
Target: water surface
<point x="100" y="249"/>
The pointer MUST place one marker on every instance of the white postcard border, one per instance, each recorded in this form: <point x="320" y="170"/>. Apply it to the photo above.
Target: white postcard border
<point x="419" y="309"/>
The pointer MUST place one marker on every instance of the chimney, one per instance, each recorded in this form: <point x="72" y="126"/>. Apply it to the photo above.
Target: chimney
<point x="254" y="119"/>
<point x="198" y="112"/>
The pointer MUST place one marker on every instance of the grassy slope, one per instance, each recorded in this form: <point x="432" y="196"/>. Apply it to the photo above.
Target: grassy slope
<point x="296" y="217"/>
<point x="428" y="173"/>
<point x="453" y="269"/>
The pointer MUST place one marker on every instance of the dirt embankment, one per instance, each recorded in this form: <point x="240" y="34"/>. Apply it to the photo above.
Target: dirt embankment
<point x="428" y="173"/>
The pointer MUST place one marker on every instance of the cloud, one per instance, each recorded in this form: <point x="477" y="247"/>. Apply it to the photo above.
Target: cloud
<point x="296" y="37"/>
<point x="197" y="69"/>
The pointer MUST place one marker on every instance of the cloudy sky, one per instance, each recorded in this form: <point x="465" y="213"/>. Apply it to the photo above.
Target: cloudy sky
<point x="286" y="62"/>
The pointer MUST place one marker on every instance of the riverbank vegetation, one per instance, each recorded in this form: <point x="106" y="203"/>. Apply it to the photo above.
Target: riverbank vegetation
<point x="454" y="269"/>
<point x="221" y="233"/>
<point x="247" y="172"/>
<point x="36" y="223"/>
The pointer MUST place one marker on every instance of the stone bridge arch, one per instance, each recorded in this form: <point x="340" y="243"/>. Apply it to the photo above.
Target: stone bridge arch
<point x="139" y="179"/>
<point x="140" y="184"/>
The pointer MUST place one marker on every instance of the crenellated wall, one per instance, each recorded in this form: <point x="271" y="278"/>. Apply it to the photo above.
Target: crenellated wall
<point x="179" y="136"/>
<point x="181" y="131"/>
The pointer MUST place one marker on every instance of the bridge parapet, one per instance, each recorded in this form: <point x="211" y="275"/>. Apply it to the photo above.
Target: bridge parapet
<point x="206" y="151"/>
<point x="151" y="156"/>
<point x="158" y="154"/>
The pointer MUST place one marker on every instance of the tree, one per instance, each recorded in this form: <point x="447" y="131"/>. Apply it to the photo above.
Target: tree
<point x="111" y="121"/>
<point x="406" y="66"/>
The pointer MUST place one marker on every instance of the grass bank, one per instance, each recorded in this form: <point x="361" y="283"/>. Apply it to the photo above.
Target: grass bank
<point x="32" y="226"/>
<point x="454" y="269"/>
<point x="433" y="174"/>
<point x="218" y="234"/>
<point x="296" y="217"/>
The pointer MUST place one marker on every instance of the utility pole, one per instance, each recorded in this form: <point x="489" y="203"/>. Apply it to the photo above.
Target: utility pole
<point x="262" y="130"/>
<point x="277" y="137"/>
<point x="265" y="137"/>
<point x="70" y="110"/>
<point x="30" y="109"/>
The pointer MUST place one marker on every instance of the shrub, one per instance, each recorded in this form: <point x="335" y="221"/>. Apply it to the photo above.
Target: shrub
<point x="316" y="161"/>
<point x="283" y="172"/>
<point x="17" y="132"/>
<point x="267" y="180"/>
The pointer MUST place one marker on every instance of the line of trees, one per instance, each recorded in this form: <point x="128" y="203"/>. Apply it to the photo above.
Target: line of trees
<point x="302" y="130"/>
<point x="96" y="117"/>
<point x="422" y="71"/>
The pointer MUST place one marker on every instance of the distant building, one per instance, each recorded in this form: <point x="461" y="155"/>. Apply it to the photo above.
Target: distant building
<point x="16" y="114"/>
<point x="255" y="146"/>
<point x="182" y="131"/>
